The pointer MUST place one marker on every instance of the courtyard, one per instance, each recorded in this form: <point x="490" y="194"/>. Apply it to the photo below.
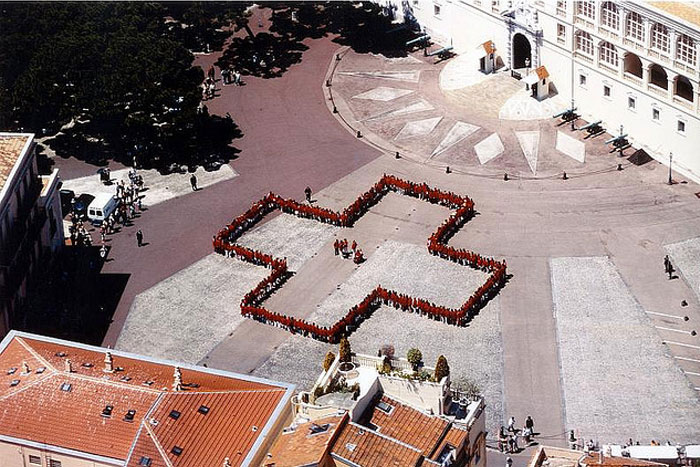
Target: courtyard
<point x="588" y="333"/>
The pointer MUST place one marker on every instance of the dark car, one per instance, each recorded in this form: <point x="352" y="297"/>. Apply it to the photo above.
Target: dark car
<point x="66" y="198"/>
<point x="81" y="204"/>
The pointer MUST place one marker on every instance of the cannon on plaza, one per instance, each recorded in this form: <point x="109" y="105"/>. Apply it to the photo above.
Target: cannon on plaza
<point x="443" y="53"/>
<point x="593" y="128"/>
<point x="618" y="141"/>
<point x="422" y="42"/>
<point x="567" y="115"/>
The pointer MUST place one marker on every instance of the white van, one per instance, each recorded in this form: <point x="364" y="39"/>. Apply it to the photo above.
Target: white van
<point x="101" y="207"/>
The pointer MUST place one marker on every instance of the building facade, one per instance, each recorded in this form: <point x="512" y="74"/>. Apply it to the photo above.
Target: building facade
<point x="629" y="63"/>
<point x="31" y="225"/>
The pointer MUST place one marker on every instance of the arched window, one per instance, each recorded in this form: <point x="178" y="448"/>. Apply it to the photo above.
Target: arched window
<point x="659" y="38"/>
<point x="684" y="88"/>
<point x="584" y="43"/>
<point x="658" y="76"/>
<point x="609" y="15"/>
<point x="586" y="8"/>
<point x="633" y="65"/>
<point x="634" y="27"/>
<point x="608" y="53"/>
<point x="686" y="51"/>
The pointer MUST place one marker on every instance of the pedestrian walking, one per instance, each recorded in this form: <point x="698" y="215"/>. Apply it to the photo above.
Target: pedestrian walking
<point x="193" y="182"/>
<point x="336" y="247"/>
<point x="511" y="424"/>
<point x="668" y="267"/>
<point x="139" y="238"/>
<point x="237" y="78"/>
<point x="307" y="192"/>
<point x="530" y="423"/>
<point x="103" y="252"/>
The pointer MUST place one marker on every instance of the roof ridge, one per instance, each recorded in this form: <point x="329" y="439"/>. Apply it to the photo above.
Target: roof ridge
<point x="120" y="384"/>
<point x="232" y="391"/>
<point x="388" y="438"/>
<point x="36" y="354"/>
<point x="157" y="445"/>
<point x="143" y="424"/>
<point x="28" y="385"/>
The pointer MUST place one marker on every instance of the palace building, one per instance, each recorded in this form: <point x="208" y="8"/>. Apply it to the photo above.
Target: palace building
<point x="31" y="223"/>
<point x="629" y="63"/>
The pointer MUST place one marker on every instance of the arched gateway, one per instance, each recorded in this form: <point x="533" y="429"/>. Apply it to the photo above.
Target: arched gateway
<point x="522" y="51"/>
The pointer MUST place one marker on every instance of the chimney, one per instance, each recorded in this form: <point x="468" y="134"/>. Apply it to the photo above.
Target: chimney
<point x="69" y="366"/>
<point x="227" y="462"/>
<point x="177" y="379"/>
<point x="109" y="363"/>
<point x="25" y="368"/>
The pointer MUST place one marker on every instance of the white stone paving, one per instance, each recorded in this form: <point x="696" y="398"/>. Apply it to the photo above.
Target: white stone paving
<point x="408" y="60"/>
<point x="686" y="257"/>
<point x="618" y="380"/>
<point x="383" y="94"/>
<point x="418" y="128"/>
<point x="419" y="105"/>
<point x="404" y="268"/>
<point x="571" y="147"/>
<point x="160" y="188"/>
<point x="522" y="106"/>
<point x="188" y="314"/>
<point x="489" y="148"/>
<point x="289" y="236"/>
<point x="411" y="76"/>
<point x="458" y="132"/>
<point x="530" y="144"/>
<point x="462" y="71"/>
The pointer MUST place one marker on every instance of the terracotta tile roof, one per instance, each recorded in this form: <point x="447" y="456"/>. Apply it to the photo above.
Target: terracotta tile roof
<point x="37" y="409"/>
<point x="455" y="437"/>
<point x="409" y="425"/>
<point x="366" y="448"/>
<point x="302" y="446"/>
<point x="542" y="72"/>
<point x="10" y="149"/>
<point x="594" y="459"/>
<point x="688" y="11"/>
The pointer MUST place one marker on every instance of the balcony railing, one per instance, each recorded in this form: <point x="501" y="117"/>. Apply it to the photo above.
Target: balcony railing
<point x="687" y="69"/>
<point x="658" y="55"/>
<point x="658" y="90"/>
<point x="608" y="33"/>
<point x="561" y="12"/>
<point x="584" y="57"/>
<point x="633" y="44"/>
<point x="683" y="102"/>
<point x="607" y="66"/>
<point x="584" y="22"/>
<point x="633" y="78"/>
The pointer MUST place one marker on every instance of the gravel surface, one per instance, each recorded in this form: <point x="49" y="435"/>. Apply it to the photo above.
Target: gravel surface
<point x="404" y="268"/>
<point x="185" y="316"/>
<point x="289" y="236"/>
<point x="618" y="379"/>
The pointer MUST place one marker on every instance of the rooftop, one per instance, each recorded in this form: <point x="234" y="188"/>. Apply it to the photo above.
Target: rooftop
<point x="688" y="11"/>
<point x="11" y="145"/>
<point x="306" y="443"/>
<point x="60" y="394"/>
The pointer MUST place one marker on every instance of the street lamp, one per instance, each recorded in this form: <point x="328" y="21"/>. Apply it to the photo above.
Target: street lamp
<point x="670" y="162"/>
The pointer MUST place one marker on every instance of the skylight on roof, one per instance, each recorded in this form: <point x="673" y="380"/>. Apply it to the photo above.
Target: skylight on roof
<point x="384" y="407"/>
<point x="145" y="461"/>
<point x="12" y="371"/>
<point x="61" y="354"/>
<point x="174" y="414"/>
<point x="177" y="450"/>
<point x="107" y="411"/>
<point x="14" y="382"/>
<point x="315" y="428"/>
<point x="350" y="447"/>
<point x="87" y="365"/>
<point x="40" y="370"/>
<point x="66" y="387"/>
<point x="129" y="417"/>
<point x="203" y="409"/>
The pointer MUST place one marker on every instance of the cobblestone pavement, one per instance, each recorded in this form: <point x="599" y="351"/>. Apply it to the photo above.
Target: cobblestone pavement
<point x="605" y="339"/>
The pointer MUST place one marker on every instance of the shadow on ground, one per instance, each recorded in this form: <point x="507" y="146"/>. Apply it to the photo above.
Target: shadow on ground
<point x="74" y="300"/>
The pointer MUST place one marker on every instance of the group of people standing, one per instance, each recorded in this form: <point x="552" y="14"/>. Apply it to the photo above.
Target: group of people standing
<point x="228" y="76"/>
<point x="341" y="247"/>
<point x="508" y="438"/>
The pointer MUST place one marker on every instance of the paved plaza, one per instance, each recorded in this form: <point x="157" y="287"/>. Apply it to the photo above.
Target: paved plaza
<point x="587" y="334"/>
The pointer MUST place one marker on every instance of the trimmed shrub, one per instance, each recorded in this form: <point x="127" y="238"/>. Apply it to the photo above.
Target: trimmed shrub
<point x="442" y="369"/>
<point x="328" y="361"/>
<point x="344" y="350"/>
<point x="414" y="357"/>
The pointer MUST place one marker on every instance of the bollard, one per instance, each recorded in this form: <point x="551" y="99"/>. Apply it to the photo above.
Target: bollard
<point x="684" y="303"/>
<point x="328" y="83"/>
<point x="564" y="177"/>
<point x="693" y="333"/>
<point x="685" y="318"/>
<point x="447" y="169"/>
<point x="505" y="177"/>
<point x="619" y="167"/>
<point x="337" y="56"/>
<point x="397" y="155"/>
<point x="359" y="134"/>
<point x="335" y="109"/>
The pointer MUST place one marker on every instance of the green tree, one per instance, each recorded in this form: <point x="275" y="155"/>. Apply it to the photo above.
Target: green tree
<point x="414" y="357"/>
<point x="328" y="361"/>
<point x="442" y="369"/>
<point x="344" y="350"/>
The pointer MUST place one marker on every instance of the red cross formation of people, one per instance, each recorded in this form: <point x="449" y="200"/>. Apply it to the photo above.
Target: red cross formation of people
<point x="463" y="206"/>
